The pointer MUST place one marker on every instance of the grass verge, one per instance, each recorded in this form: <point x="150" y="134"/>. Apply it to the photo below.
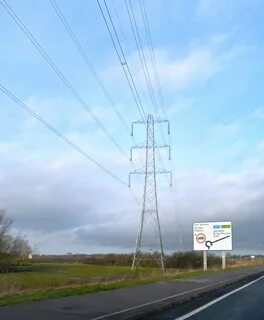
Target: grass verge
<point x="43" y="294"/>
<point x="72" y="290"/>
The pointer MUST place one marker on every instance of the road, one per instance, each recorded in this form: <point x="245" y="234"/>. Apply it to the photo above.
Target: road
<point x="127" y="303"/>
<point x="243" y="303"/>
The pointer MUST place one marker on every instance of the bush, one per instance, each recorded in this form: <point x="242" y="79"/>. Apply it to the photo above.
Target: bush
<point x="190" y="260"/>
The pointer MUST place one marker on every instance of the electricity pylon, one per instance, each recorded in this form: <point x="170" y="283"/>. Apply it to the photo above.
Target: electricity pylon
<point x="149" y="241"/>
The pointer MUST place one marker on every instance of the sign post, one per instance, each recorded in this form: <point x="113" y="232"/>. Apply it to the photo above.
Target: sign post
<point x="223" y="260"/>
<point x="215" y="236"/>
<point x="204" y="260"/>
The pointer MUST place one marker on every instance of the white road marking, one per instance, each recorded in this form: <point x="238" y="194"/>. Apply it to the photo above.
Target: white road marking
<point x="164" y="299"/>
<point x="188" y="315"/>
<point x="196" y="280"/>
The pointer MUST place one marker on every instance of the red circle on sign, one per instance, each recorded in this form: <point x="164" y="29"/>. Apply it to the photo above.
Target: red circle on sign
<point x="200" y="238"/>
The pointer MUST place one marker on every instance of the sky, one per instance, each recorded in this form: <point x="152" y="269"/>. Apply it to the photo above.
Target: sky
<point x="209" y="56"/>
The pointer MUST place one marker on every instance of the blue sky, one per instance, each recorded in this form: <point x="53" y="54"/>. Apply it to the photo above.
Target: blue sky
<point x="210" y="60"/>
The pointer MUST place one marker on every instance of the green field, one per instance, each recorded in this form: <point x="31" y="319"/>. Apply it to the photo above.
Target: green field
<point x="48" y="280"/>
<point x="40" y="281"/>
<point x="50" y="275"/>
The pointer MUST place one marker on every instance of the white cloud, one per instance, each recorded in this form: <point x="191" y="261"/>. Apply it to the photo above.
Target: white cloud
<point x="258" y="113"/>
<point x="228" y="129"/>
<point x="33" y="141"/>
<point x="197" y="67"/>
<point x="199" y="63"/>
<point x="179" y="106"/>
<point x="7" y="147"/>
<point x="68" y="206"/>
<point x="214" y="8"/>
<point x="58" y="109"/>
<point x="208" y="7"/>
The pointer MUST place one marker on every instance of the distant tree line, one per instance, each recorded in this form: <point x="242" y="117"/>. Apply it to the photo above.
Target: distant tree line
<point x="14" y="249"/>
<point x="191" y="260"/>
<point x="179" y="260"/>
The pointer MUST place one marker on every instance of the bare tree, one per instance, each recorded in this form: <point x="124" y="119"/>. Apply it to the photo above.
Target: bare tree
<point x="5" y="224"/>
<point x="21" y="247"/>
<point x="12" y="248"/>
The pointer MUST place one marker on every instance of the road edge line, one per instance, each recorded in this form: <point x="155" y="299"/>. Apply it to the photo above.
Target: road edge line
<point x="207" y="305"/>
<point x="167" y="298"/>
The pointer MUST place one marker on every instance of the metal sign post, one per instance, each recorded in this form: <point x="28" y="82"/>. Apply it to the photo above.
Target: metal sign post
<point x="223" y="260"/>
<point x="205" y="260"/>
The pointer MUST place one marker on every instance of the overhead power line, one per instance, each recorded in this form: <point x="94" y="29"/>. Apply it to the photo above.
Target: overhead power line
<point x="59" y="134"/>
<point x="124" y="64"/>
<point x="118" y="20"/>
<point x="153" y="62"/>
<point x="142" y="58"/>
<point x="59" y="73"/>
<point x="158" y="84"/>
<point x="121" y="57"/>
<point x="152" y="54"/>
<point x="87" y="61"/>
<point x="141" y="54"/>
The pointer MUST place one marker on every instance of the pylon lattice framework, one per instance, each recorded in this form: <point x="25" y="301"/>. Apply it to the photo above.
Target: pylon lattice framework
<point x="149" y="244"/>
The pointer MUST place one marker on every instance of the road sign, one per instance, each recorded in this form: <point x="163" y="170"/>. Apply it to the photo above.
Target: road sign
<point x="212" y="236"/>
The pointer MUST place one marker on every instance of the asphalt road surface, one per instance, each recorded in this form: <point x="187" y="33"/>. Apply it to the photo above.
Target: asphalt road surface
<point x="128" y="303"/>
<point x="243" y="303"/>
